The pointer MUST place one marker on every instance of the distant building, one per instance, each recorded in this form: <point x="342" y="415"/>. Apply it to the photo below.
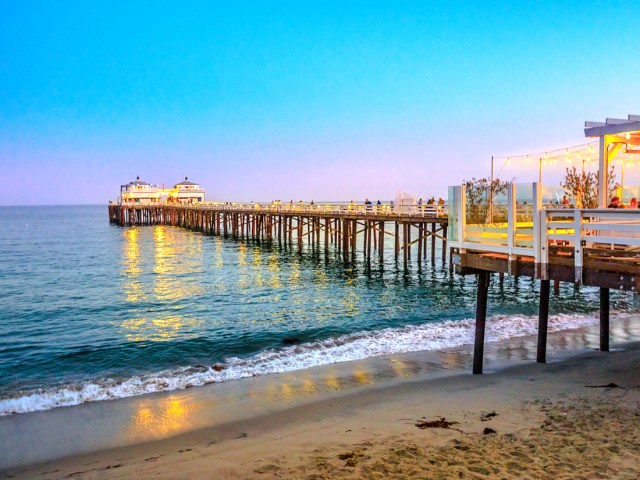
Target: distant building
<point x="140" y="192"/>
<point x="187" y="192"/>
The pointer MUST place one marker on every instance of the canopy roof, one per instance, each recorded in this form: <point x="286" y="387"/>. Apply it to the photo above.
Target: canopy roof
<point x="613" y="126"/>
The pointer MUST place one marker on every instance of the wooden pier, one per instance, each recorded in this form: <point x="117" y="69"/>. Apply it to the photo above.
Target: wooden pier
<point x="319" y="226"/>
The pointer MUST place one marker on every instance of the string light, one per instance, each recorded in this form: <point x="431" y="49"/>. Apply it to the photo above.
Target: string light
<point x="583" y="153"/>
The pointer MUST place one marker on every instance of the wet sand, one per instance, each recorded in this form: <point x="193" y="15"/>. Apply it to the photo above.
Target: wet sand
<point x="358" y="420"/>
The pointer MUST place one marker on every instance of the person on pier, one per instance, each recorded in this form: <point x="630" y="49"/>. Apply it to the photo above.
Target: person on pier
<point x="633" y="203"/>
<point x="615" y="202"/>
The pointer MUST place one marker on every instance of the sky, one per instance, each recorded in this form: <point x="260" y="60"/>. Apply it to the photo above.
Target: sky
<point x="300" y="100"/>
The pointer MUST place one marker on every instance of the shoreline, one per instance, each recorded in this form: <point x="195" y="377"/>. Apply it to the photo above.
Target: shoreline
<point x="222" y="414"/>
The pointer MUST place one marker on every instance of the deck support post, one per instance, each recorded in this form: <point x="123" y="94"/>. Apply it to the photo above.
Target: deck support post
<point x="433" y="243"/>
<point x="397" y="239"/>
<point x="543" y="320"/>
<point x="444" y="244"/>
<point x="481" y="317"/>
<point x="604" y="319"/>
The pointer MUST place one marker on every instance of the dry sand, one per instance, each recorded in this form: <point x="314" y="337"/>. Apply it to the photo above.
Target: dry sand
<point x="550" y="421"/>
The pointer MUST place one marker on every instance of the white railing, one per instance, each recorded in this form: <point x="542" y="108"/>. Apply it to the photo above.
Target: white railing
<point x="575" y="229"/>
<point x="330" y="208"/>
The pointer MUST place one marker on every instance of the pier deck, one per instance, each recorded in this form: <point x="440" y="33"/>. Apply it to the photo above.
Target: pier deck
<point x="320" y="226"/>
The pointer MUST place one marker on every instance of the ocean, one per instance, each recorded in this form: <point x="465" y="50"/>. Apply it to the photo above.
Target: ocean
<point x="92" y="311"/>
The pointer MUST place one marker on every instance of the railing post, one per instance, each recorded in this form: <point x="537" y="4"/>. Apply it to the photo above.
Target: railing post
<point x="511" y="224"/>
<point x="462" y="214"/>
<point x="544" y="245"/>
<point x="537" y="207"/>
<point x="577" y="245"/>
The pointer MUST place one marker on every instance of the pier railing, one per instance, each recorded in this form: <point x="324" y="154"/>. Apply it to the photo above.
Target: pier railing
<point x="567" y="234"/>
<point x="425" y="210"/>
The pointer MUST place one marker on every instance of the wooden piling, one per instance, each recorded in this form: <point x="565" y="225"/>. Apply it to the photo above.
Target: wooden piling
<point x="604" y="319"/>
<point x="481" y="318"/>
<point x="543" y="320"/>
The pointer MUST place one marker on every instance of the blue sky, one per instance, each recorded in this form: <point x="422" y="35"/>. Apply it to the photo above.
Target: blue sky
<point x="299" y="100"/>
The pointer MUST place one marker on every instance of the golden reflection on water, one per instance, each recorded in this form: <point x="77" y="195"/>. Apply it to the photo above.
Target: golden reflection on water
<point x="274" y="268"/>
<point x="132" y="288"/>
<point x="174" y="255"/>
<point x="332" y="382"/>
<point x="161" y="417"/>
<point x="309" y="387"/>
<point x="351" y="299"/>
<point x="362" y="377"/>
<point x="286" y="392"/>
<point x="399" y="367"/>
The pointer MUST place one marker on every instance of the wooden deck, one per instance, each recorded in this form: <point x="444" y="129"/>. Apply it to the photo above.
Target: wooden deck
<point x="591" y="247"/>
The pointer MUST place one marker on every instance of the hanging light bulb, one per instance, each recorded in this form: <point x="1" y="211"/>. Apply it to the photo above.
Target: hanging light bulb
<point x="628" y="136"/>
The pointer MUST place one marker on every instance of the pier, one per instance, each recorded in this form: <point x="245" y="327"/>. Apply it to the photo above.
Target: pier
<point x="344" y="227"/>
<point x="597" y="247"/>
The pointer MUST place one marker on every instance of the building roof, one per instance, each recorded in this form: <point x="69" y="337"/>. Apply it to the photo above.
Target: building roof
<point x="186" y="182"/>
<point x="612" y="126"/>
<point x="138" y="182"/>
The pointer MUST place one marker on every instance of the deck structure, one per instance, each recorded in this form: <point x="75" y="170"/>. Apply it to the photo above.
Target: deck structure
<point x="592" y="247"/>
<point x="325" y="226"/>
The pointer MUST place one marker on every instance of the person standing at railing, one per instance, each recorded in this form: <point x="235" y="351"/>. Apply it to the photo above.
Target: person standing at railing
<point x="633" y="203"/>
<point x="367" y="205"/>
<point x="615" y="202"/>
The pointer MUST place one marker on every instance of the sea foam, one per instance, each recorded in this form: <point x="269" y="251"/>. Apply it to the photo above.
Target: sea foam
<point x="357" y="346"/>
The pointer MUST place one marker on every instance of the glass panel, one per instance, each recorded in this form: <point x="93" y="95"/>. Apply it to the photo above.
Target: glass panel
<point x="452" y="202"/>
<point x="524" y="215"/>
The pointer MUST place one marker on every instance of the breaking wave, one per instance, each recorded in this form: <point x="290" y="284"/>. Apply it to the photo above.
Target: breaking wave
<point x="430" y="336"/>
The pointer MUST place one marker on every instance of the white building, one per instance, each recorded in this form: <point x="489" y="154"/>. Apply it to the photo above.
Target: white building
<point x="140" y="192"/>
<point x="187" y="192"/>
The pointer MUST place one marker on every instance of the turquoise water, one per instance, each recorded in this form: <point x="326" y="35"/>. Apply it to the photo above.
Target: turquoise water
<point x="92" y="311"/>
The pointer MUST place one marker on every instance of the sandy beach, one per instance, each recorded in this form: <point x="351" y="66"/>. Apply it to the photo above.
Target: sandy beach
<point x="575" y="417"/>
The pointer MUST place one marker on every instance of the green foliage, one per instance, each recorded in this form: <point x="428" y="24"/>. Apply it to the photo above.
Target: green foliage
<point x="481" y="193"/>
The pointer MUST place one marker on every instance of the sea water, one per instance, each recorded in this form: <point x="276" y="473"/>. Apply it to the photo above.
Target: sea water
<point x="92" y="311"/>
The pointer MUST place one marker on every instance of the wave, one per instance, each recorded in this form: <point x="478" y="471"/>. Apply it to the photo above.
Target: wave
<point x="357" y="346"/>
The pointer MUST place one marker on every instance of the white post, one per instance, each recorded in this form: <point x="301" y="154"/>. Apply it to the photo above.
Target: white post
<point x="544" y="245"/>
<point x="603" y="172"/>
<point x="577" y="244"/>
<point x="537" y="208"/>
<point x="462" y="214"/>
<point x="511" y="222"/>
